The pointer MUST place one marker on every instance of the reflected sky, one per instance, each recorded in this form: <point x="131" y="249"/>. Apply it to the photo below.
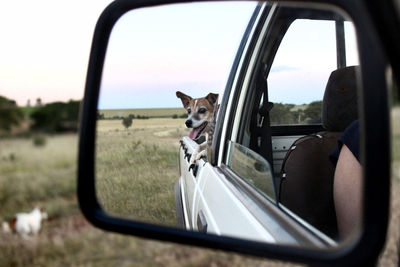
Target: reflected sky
<point x="154" y="52"/>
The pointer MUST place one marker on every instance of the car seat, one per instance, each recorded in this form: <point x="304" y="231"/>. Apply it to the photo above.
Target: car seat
<point x="306" y="186"/>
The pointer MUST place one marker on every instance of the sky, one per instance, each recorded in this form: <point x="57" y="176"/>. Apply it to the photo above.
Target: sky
<point x="155" y="52"/>
<point x="305" y="60"/>
<point x="45" y="47"/>
<point x="152" y="53"/>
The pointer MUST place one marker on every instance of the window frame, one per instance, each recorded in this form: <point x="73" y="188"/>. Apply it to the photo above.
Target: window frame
<point x="271" y="47"/>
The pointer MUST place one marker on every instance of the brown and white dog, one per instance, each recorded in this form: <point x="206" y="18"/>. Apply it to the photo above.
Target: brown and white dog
<point x="201" y="118"/>
<point x="26" y="224"/>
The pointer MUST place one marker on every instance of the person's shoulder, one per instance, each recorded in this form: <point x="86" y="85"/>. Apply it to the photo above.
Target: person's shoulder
<point x="351" y="137"/>
<point x="354" y="126"/>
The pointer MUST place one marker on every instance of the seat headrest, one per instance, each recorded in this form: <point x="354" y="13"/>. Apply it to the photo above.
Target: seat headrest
<point x="339" y="107"/>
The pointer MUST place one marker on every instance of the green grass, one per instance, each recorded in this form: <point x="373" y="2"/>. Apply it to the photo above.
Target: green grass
<point x="32" y="175"/>
<point x="149" y="112"/>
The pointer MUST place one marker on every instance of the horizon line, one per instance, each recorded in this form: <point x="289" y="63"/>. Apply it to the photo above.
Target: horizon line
<point x="141" y="108"/>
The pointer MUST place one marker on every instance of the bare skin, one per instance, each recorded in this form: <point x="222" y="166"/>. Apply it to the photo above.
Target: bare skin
<point x="347" y="192"/>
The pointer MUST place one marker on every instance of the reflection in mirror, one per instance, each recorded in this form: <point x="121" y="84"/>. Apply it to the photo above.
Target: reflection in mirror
<point x="280" y="176"/>
<point x="152" y="53"/>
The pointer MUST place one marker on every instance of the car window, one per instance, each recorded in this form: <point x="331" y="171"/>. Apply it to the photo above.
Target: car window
<point x="301" y="68"/>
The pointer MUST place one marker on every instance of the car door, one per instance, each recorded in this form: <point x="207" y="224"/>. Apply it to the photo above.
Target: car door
<point x="215" y="206"/>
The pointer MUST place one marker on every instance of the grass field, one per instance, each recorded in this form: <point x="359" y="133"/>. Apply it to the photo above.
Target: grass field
<point x="137" y="168"/>
<point x="46" y="176"/>
<point x="148" y="112"/>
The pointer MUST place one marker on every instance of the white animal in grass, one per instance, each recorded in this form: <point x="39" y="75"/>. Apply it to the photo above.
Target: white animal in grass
<point x="26" y="224"/>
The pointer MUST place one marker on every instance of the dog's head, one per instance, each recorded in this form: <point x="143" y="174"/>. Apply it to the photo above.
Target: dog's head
<point x="43" y="213"/>
<point x="200" y="112"/>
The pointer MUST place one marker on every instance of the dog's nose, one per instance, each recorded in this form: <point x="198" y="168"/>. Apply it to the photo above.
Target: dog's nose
<point x="188" y="123"/>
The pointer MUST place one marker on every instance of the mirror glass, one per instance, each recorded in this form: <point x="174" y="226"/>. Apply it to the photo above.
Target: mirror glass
<point x="152" y="53"/>
<point x="290" y="85"/>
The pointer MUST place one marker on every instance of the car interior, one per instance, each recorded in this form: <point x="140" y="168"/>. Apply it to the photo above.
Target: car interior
<point x="303" y="173"/>
<point x="306" y="183"/>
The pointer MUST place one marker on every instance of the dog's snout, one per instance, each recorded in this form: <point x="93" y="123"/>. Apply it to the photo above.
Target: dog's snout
<point x="188" y="123"/>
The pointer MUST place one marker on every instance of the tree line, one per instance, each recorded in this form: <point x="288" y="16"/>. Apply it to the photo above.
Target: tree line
<point x="10" y="114"/>
<point x="282" y="114"/>
<point x="63" y="116"/>
<point x="101" y="116"/>
<point x="52" y="118"/>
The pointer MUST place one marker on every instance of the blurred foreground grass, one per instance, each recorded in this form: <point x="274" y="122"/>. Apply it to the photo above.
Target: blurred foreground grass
<point x="38" y="175"/>
<point x="46" y="176"/>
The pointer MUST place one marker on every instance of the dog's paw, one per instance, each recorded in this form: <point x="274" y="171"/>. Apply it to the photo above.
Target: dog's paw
<point x="193" y="158"/>
<point x="197" y="155"/>
<point x="201" y="154"/>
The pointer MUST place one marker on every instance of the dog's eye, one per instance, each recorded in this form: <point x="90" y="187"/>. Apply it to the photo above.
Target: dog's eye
<point x="189" y="110"/>
<point x="202" y="110"/>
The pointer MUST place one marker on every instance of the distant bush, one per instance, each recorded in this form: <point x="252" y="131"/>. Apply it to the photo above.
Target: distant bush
<point x="183" y="116"/>
<point x="11" y="157"/>
<point x="39" y="140"/>
<point x="56" y="117"/>
<point x="175" y="116"/>
<point x="314" y="112"/>
<point x="281" y="114"/>
<point x="127" y="122"/>
<point x="10" y="114"/>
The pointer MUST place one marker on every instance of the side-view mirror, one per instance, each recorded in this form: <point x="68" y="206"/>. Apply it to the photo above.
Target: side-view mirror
<point x="216" y="124"/>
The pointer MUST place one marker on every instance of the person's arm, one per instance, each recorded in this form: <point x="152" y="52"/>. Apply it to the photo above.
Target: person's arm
<point x="347" y="192"/>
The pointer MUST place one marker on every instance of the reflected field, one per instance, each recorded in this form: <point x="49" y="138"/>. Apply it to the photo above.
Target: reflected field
<point x="136" y="168"/>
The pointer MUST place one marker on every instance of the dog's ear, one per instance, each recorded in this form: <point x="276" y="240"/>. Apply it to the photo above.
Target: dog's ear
<point x="212" y="98"/>
<point x="184" y="98"/>
<point x="12" y="223"/>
